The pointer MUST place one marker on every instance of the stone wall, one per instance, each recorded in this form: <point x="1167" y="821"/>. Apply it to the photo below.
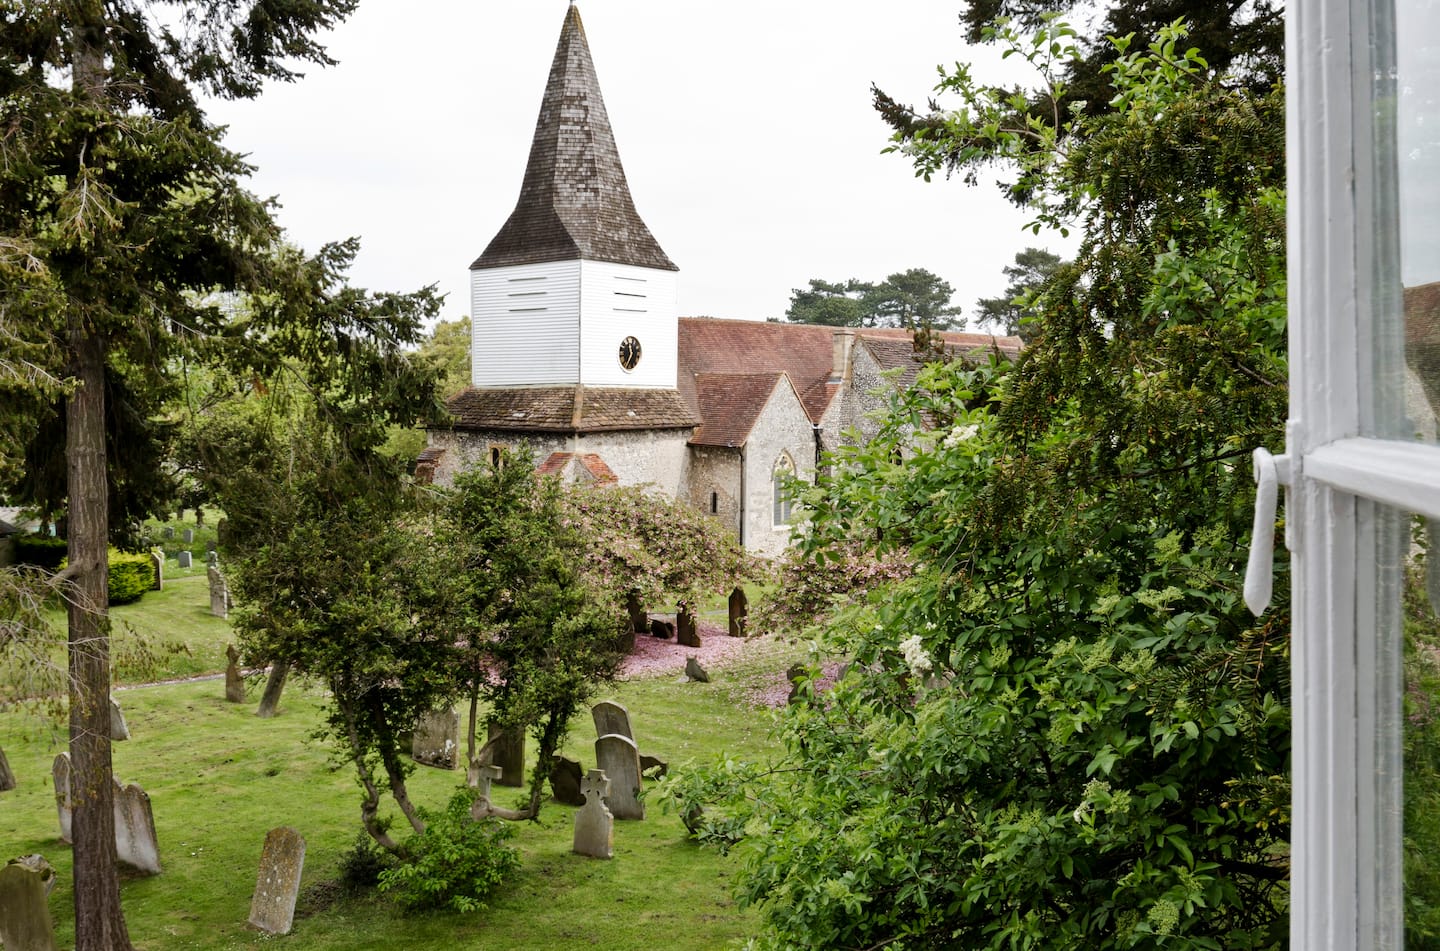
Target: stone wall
<point x="644" y="457"/>
<point x="713" y="476"/>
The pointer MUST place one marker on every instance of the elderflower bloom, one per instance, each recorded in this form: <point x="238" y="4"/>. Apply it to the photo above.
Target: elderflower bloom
<point x="916" y="658"/>
<point x="959" y="434"/>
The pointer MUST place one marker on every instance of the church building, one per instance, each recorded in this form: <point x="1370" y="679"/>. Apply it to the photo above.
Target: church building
<point x="578" y="351"/>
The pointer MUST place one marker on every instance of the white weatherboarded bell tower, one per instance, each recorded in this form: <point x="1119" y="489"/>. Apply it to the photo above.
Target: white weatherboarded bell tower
<point x="574" y="291"/>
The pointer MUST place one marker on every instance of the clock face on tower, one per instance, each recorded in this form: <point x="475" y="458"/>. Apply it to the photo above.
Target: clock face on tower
<point x="629" y="353"/>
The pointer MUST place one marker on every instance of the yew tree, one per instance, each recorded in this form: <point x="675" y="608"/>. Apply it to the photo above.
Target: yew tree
<point x="121" y="211"/>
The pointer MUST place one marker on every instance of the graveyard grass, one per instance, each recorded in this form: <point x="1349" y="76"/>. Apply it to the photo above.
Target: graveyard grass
<point x="219" y="778"/>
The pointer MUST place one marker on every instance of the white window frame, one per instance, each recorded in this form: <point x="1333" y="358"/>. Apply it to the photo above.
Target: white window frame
<point x="1346" y="847"/>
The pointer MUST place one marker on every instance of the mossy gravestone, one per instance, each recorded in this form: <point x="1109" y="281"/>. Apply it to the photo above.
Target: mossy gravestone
<point x="617" y="757"/>
<point x="25" y="923"/>
<point x="272" y="910"/>
<point x="135" y="842"/>
<point x="7" y="778"/>
<point x="60" y="773"/>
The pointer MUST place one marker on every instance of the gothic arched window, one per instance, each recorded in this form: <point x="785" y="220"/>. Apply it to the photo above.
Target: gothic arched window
<point x="783" y="472"/>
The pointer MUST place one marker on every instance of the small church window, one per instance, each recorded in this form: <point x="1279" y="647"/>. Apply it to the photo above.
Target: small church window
<point x="497" y="456"/>
<point x="714" y="503"/>
<point x="780" y="476"/>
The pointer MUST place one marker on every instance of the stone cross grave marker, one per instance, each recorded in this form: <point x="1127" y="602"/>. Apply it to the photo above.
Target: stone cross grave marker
<point x="25" y="923"/>
<point x="611" y="717"/>
<point x="566" y="777"/>
<point x="480" y="777"/>
<point x="219" y="592"/>
<point x="277" y="886"/>
<point x="183" y="559"/>
<point x="157" y="561"/>
<point x="60" y="772"/>
<point x="739" y="612"/>
<point x="188" y="536"/>
<point x="234" y="682"/>
<point x="687" y="631"/>
<point x="436" y="740"/>
<point x="135" y="842"/>
<point x="7" y="776"/>
<point x="118" y="728"/>
<point x="594" y="824"/>
<point x="619" y="759"/>
<point x="508" y="754"/>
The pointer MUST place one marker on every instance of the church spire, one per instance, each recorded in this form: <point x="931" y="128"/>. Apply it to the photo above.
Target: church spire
<point x="575" y="203"/>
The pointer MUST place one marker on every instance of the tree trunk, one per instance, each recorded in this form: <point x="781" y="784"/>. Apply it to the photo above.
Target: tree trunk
<point x="270" y="700"/>
<point x="99" y="919"/>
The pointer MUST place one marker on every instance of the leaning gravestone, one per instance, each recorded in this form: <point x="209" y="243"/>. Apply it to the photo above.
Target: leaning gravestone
<point x="60" y="772"/>
<point x="270" y="699"/>
<point x="687" y="632"/>
<point x="436" y="740"/>
<point x="157" y="562"/>
<point x="135" y="841"/>
<point x="739" y="612"/>
<point x="7" y="777"/>
<point x="594" y="824"/>
<point x="118" y="728"/>
<point x="653" y="767"/>
<point x="611" y="717"/>
<point x="566" y="775"/>
<point x="272" y="910"/>
<point x="219" y="592"/>
<point x="508" y="754"/>
<point x="25" y="923"/>
<point x="234" y="683"/>
<point x="619" y="759"/>
<point x="183" y="559"/>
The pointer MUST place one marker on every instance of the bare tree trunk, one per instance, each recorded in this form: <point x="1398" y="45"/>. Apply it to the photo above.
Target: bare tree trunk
<point x="99" y="918"/>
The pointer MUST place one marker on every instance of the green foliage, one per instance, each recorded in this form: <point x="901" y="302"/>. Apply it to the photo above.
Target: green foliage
<point x="447" y="350"/>
<point x="1421" y="741"/>
<point x="1028" y="276"/>
<point x="911" y="299"/>
<point x="40" y="551"/>
<point x="1062" y="729"/>
<point x="455" y="863"/>
<point x="130" y="577"/>
<point x="362" y="864"/>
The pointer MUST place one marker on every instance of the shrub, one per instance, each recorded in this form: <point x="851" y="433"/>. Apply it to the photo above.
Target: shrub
<point x="130" y="577"/>
<point x="455" y="862"/>
<point x="42" y="551"/>
<point x="362" y="864"/>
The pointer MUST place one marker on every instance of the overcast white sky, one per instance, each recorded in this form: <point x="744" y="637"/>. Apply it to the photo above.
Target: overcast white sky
<point x="745" y="129"/>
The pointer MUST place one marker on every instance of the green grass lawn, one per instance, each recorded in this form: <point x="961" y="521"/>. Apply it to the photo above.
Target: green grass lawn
<point x="219" y="778"/>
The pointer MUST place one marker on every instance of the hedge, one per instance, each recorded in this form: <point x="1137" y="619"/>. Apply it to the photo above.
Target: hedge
<point x="42" y="551"/>
<point x="130" y="575"/>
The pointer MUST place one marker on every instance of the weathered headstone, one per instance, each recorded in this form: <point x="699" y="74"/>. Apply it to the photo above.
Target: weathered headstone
<point x="659" y="627"/>
<point x="739" y="612"/>
<point x="169" y="531"/>
<point x="60" y="773"/>
<point x="7" y="776"/>
<point x="508" y="754"/>
<point x="436" y="739"/>
<point x="480" y="778"/>
<point x="687" y="632"/>
<point x="222" y="532"/>
<point x="594" y="823"/>
<point x="566" y="775"/>
<point x="183" y="559"/>
<point x="274" y="686"/>
<point x="119" y="730"/>
<point x="157" y="563"/>
<point x="653" y="767"/>
<point x="611" y="717"/>
<point x="619" y="759"/>
<point x="219" y="592"/>
<point x="234" y="682"/>
<point x="693" y="671"/>
<point x="38" y="865"/>
<point x="25" y="923"/>
<point x="188" y="536"/>
<point x="277" y="886"/>
<point x="135" y="841"/>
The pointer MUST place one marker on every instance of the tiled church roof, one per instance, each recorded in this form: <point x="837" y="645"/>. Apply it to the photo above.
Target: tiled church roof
<point x="730" y="403"/>
<point x="575" y="202"/>
<point x="891" y="353"/>
<point x="569" y="409"/>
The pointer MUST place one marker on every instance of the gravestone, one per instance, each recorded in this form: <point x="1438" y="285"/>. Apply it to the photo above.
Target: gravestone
<point x="234" y="683"/>
<point x="157" y="562"/>
<point x="508" y="754"/>
<point x="219" y="592"/>
<point x="659" y="627"/>
<point x="270" y="699"/>
<point x="436" y="739"/>
<point x="639" y="620"/>
<point x="222" y="532"/>
<point x="687" y="633"/>
<point x="38" y="865"/>
<point x="277" y="886"/>
<point x="480" y="778"/>
<point x="135" y="842"/>
<point x="7" y="776"/>
<point x="694" y="672"/>
<point x="739" y="612"/>
<point x="60" y="774"/>
<point x="118" y="728"/>
<point x="619" y="759"/>
<point x="25" y="923"/>
<point x="169" y="531"/>
<point x="212" y="559"/>
<point x="611" y="717"/>
<point x="211" y="546"/>
<point x="188" y="536"/>
<point x="594" y="824"/>
<point x="566" y="775"/>
<point x="796" y="676"/>
<point x="653" y="767"/>
<point x="183" y="559"/>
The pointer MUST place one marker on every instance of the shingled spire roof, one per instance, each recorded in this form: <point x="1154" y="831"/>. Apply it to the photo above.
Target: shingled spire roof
<point x="575" y="202"/>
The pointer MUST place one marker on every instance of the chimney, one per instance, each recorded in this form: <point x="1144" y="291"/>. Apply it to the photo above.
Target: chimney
<point x="844" y="343"/>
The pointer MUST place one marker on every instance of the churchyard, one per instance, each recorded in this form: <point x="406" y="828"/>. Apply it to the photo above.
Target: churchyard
<point x="219" y="780"/>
